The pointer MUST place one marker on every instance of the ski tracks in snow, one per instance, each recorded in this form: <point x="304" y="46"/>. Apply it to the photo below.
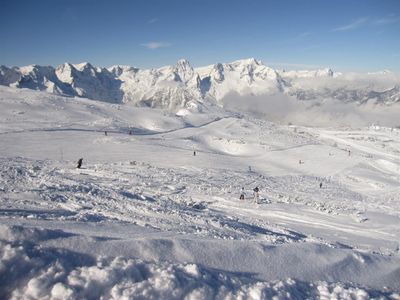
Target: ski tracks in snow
<point x="185" y="200"/>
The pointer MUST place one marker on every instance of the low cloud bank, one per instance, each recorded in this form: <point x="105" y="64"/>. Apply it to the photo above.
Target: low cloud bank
<point x="284" y="109"/>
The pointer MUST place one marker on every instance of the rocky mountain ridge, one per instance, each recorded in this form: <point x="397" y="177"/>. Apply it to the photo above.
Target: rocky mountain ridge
<point x="181" y="85"/>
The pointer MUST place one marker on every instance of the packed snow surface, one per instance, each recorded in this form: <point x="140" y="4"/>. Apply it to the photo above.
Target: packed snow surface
<point x="154" y="212"/>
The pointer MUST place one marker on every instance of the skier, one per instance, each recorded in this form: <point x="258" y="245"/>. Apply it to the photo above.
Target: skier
<point x="256" y="195"/>
<point x="320" y="185"/>
<point x="79" y="163"/>
<point x="105" y="133"/>
<point x="194" y="153"/>
<point x="242" y="193"/>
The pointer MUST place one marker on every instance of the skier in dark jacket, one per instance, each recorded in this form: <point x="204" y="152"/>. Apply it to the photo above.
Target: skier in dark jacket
<point x="79" y="163"/>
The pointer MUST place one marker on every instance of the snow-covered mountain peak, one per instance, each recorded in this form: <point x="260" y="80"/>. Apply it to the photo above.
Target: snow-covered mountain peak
<point x="65" y="72"/>
<point x="247" y="61"/>
<point x="251" y="70"/>
<point x="118" y="70"/>
<point x="176" y="85"/>
<point x="35" y="69"/>
<point x="184" y="63"/>
<point x="87" y="68"/>
<point x="250" y="65"/>
<point x="66" y="66"/>
<point x="217" y="72"/>
<point x="83" y="66"/>
<point x="184" y="70"/>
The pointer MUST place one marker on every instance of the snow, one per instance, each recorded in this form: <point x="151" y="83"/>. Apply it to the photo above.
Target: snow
<point x="180" y="85"/>
<point x="145" y="218"/>
<point x="70" y="275"/>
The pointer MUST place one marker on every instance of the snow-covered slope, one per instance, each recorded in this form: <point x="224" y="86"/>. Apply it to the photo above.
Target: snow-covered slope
<point x="146" y="218"/>
<point x="182" y="86"/>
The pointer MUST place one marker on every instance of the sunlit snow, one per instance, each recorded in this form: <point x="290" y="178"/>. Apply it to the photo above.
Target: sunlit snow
<point x="154" y="212"/>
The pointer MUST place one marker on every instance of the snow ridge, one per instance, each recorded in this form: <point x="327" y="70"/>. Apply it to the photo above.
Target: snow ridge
<point x="64" y="274"/>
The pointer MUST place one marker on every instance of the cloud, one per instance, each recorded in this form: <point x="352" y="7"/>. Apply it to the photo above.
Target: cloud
<point x="284" y="109"/>
<point x="386" y="20"/>
<point x="152" y="21"/>
<point x="156" y="45"/>
<point x="353" y="25"/>
<point x="391" y="19"/>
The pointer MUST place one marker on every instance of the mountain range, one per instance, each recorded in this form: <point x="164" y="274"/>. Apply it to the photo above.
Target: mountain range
<point x="181" y="85"/>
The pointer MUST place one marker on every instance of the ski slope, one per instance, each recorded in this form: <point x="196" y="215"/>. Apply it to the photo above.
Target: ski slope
<point x="145" y="218"/>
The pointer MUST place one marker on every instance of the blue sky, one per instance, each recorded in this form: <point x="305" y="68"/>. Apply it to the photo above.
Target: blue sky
<point x="298" y="34"/>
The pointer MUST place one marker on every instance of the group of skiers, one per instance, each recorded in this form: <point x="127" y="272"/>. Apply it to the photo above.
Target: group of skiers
<point x="256" y="195"/>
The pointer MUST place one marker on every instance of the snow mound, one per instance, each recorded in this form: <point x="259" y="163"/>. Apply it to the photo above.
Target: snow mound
<point x="64" y="274"/>
<point x="29" y="234"/>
